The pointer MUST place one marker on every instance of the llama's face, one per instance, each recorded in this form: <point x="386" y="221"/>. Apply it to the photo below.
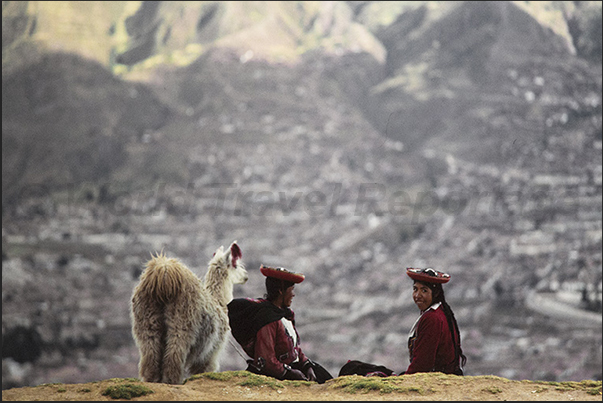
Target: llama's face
<point x="234" y="263"/>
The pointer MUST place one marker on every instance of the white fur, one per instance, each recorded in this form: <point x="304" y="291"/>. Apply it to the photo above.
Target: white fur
<point x="180" y="323"/>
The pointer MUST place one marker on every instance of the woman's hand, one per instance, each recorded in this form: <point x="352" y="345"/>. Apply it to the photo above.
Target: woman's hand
<point x="310" y="374"/>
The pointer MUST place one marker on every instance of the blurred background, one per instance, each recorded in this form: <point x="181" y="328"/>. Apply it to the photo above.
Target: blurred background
<point x="346" y="140"/>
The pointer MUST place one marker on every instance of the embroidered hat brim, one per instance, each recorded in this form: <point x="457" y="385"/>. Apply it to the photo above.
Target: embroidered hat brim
<point x="282" y="274"/>
<point x="421" y="275"/>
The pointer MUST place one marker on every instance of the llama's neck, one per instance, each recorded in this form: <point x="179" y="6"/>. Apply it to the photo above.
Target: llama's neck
<point x="219" y="285"/>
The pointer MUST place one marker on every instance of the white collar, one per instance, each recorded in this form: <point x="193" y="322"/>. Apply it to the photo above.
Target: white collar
<point x="413" y="329"/>
<point x="434" y="307"/>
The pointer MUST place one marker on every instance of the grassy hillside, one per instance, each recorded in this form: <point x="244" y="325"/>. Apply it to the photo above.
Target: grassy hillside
<point x="242" y="385"/>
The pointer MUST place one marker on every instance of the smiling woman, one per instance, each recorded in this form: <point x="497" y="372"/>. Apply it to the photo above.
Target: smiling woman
<point x="434" y="341"/>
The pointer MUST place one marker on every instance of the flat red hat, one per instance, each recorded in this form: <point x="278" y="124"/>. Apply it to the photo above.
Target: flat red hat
<point x="428" y="275"/>
<point x="282" y="274"/>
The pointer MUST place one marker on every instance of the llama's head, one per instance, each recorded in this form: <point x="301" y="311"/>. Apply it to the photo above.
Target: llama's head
<point x="230" y="262"/>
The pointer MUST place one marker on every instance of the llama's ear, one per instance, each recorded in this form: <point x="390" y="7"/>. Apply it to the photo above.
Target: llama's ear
<point x="235" y="250"/>
<point x="220" y="251"/>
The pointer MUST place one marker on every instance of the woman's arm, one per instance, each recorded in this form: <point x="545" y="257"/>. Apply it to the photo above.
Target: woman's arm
<point x="429" y="332"/>
<point x="265" y="346"/>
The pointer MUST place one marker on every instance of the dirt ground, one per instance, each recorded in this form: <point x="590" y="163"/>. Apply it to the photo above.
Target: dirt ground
<point x="241" y="385"/>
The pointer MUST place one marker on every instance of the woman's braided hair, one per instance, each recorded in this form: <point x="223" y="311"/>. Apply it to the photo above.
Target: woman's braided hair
<point x="437" y="292"/>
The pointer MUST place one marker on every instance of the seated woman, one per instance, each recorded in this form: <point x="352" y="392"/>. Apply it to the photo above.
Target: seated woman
<point x="434" y="341"/>
<point x="265" y="328"/>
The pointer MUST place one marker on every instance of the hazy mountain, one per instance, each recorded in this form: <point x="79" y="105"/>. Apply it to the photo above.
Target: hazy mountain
<point x="447" y="58"/>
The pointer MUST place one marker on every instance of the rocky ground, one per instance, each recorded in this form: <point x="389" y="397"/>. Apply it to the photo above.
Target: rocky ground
<point x="245" y="386"/>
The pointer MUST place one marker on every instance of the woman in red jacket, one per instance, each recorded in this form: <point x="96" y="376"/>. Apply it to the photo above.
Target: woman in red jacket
<point x="265" y="328"/>
<point x="434" y="342"/>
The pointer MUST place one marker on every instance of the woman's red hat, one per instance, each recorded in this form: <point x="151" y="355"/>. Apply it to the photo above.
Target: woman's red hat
<point x="428" y="275"/>
<point x="282" y="274"/>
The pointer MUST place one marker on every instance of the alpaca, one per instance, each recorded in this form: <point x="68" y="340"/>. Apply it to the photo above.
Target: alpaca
<point x="180" y="323"/>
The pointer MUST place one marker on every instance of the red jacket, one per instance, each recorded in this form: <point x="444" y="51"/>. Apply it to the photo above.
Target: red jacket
<point x="431" y="347"/>
<point x="277" y="349"/>
<point x="259" y="327"/>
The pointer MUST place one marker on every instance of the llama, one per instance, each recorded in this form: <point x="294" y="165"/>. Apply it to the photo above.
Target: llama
<point x="180" y="323"/>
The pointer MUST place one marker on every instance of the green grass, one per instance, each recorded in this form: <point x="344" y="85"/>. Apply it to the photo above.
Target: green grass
<point x="126" y="391"/>
<point x="220" y="376"/>
<point x="541" y="389"/>
<point x="249" y="379"/>
<point x="589" y="386"/>
<point x="355" y="384"/>
<point x="493" y="389"/>
<point x="124" y="379"/>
